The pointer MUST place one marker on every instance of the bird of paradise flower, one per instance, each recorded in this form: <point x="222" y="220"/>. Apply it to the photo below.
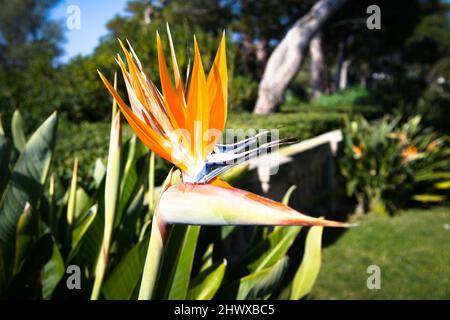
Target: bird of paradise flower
<point x="182" y="124"/>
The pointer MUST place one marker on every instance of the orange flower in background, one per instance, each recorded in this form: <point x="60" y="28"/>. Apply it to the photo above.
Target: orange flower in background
<point x="409" y="152"/>
<point x="182" y="124"/>
<point x="357" y="151"/>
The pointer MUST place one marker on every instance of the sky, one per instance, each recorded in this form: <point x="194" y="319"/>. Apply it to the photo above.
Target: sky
<point x="93" y="16"/>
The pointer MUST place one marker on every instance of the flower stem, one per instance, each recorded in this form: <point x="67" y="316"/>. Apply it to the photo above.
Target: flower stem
<point x="153" y="259"/>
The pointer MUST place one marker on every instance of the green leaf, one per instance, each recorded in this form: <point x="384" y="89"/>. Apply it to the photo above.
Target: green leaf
<point x="306" y="275"/>
<point x="54" y="271"/>
<point x="258" y="284"/>
<point x="81" y="228"/>
<point x="205" y="285"/>
<point x="443" y="185"/>
<point x="5" y="153"/>
<point x="169" y="259"/>
<point x="182" y="276"/>
<point x="99" y="172"/>
<point x="288" y="194"/>
<point x="280" y="242"/>
<point x="132" y="176"/>
<point x="126" y="275"/>
<point x="3" y="278"/>
<point x="72" y="202"/>
<point x="27" y="283"/>
<point x="25" y="234"/>
<point x="268" y="251"/>
<point x="26" y="183"/>
<point x="429" y="197"/>
<point x="432" y="176"/>
<point x="82" y="203"/>
<point x="18" y="131"/>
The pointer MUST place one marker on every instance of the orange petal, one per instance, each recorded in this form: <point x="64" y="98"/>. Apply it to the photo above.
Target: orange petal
<point x="198" y="106"/>
<point x="150" y="138"/>
<point x="176" y="70"/>
<point x="217" y="87"/>
<point x="173" y="100"/>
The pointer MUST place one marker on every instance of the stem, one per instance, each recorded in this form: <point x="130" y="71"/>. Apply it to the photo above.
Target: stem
<point x="112" y="195"/>
<point x="153" y="259"/>
<point x="101" y="264"/>
<point x="151" y="183"/>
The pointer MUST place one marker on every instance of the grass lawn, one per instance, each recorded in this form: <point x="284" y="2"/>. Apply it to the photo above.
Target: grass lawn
<point x="411" y="249"/>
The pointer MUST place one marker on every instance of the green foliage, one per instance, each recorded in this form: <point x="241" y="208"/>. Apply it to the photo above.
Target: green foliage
<point x="387" y="163"/>
<point x="44" y="232"/>
<point x="29" y="44"/>
<point x="301" y="125"/>
<point x="308" y="272"/>
<point x="243" y="93"/>
<point x="355" y="100"/>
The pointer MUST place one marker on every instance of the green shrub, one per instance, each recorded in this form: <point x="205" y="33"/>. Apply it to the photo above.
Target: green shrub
<point x="355" y="96"/>
<point x="389" y="164"/>
<point x="242" y="94"/>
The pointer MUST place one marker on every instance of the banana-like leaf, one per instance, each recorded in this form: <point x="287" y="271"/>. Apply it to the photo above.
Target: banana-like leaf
<point x="259" y="284"/>
<point x="82" y="203"/>
<point x="306" y="275"/>
<point x="99" y="172"/>
<point x="88" y="247"/>
<point x="5" y="153"/>
<point x="125" y="276"/>
<point x="169" y="261"/>
<point x="26" y="182"/>
<point x="132" y="176"/>
<point x="205" y="285"/>
<point x="54" y="271"/>
<point x="27" y="284"/>
<point x="81" y="228"/>
<point x="426" y="176"/>
<point x="182" y="276"/>
<point x="18" y="131"/>
<point x="111" y="196"/>
<point x="3" y="279"/>
<point x="72" y="202"/>
<point x="279" y="243"/>
<point x="443" y="185"/>
<point x="207" y="259"/>
<point x="26" y="230"/>
<point x="287" y="195"/>
<point x="429" y="197"/>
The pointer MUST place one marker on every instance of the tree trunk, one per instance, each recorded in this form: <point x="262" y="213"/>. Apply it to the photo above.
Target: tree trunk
<point x="288" y="56"/>
<point x="343" y="78"/>
<point x="319" y="70"/>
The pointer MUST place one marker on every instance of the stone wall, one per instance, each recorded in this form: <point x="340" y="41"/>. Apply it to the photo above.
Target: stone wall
<point x="309" y="165"/>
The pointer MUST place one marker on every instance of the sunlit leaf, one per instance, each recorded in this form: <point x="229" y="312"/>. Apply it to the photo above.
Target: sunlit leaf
<point x="309" y="269"/>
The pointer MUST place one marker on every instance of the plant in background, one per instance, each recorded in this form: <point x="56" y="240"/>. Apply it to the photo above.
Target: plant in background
<point x="389" y="164"/>
<point x="184" y="129"/>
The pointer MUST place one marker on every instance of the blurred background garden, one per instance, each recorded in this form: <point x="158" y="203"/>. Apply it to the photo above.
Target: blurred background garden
<point x="387" y="89"/>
